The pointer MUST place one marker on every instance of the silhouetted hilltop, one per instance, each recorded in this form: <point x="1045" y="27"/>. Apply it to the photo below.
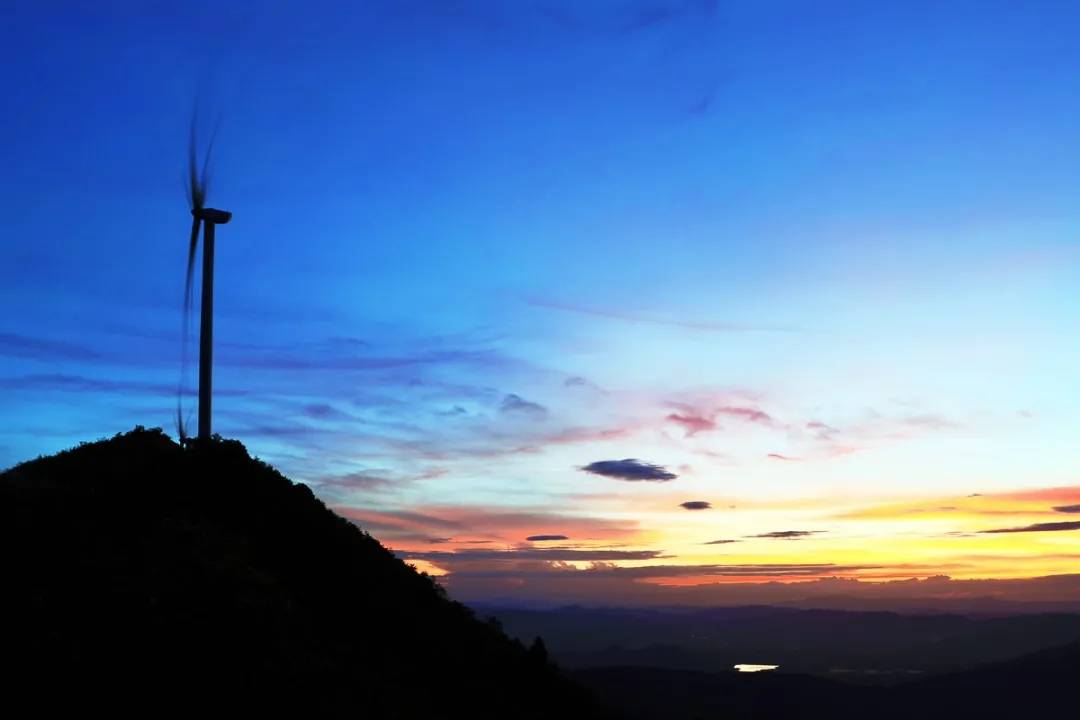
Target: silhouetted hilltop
<point x="142" y="576"/>
<point x="1042" y="684"/>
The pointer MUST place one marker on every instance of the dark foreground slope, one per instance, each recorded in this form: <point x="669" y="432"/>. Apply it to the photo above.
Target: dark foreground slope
<point x="141" y="576"/>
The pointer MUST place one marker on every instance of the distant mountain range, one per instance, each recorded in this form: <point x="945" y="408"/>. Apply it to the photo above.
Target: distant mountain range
<point x="972" y="606"/>
<point x="677" y="663"/>
<point x="873" y="647"/>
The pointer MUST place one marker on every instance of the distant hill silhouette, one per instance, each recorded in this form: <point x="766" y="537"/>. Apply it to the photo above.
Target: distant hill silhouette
<point x="142" y="577"/>
<point x="870" y="647"/>
<point x="1039" y="685"/>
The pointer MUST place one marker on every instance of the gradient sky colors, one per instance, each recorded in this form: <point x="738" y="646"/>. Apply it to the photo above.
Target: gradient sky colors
<point x="709" y="295"/>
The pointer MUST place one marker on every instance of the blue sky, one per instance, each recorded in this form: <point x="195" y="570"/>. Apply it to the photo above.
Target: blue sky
<point x="480" y="245"/>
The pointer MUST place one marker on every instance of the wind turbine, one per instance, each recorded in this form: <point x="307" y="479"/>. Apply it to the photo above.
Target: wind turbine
<point x="209" y="218"/>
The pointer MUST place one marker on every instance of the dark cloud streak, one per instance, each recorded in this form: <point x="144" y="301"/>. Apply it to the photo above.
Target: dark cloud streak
<point x="24" y="346"/>
<point x="553" y="554"/>
<point x="1037" y="527"/>
<point x="631" y="470"/>
<point x="516" y="405"/>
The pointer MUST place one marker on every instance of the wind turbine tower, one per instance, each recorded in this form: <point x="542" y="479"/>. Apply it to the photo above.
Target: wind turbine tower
<point x="209" y="219"/>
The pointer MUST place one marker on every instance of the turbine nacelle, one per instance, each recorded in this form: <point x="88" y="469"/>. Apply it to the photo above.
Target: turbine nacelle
<point x="210" y="215"/>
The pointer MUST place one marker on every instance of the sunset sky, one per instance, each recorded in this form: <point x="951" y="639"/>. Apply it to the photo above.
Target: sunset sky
<point x="653" y="301"/>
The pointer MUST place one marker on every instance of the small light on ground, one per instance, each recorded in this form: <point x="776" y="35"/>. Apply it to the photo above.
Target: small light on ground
<point x="755" y="668"/>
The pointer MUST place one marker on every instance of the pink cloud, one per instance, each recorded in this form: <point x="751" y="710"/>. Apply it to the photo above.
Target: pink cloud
<point x="821" y="430"/>
<point x="692" y="424"/>
<point x="694" y="421"/>
<point x="929" y="422"/>
<point x="747" y="413"/>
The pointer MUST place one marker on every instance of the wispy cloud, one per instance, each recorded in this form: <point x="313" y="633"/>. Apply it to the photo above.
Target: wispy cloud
<point x="325" y="411"/>
<point x="703" y="103"/>
<point x="731" y="585"/>
<point x="360" y="480"/>
<point x="35" y="348"/>
<point x="545" y="538"/>
<point x="929" y="422"/>
<point x="81" y="384"/>
<point x="374" y="480"/>
<point x="553" y="554"/>
<point x="359" y="362"/>
<point x="750" y="414"/>
<point x="1022" y="506"/>
<point x="691" y="423"/>
<point x="516" y="405"/>
<point x="643" y="319"/>
<point x="483" y="523"/>
<point x="550" y="566"/>
<point x="627" y="17"/>
<point x="694" y="421"/>
<point x="821" y="431"/>
<point x="787" y="534"/>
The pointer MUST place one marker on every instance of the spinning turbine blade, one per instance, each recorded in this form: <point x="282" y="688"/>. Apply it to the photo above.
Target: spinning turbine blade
<point x="196" y="195"/>
<point x="192" y="247"/>
<point x="185" y="329"/>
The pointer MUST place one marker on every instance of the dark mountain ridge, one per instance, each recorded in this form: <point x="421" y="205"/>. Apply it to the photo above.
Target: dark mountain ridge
<point x="869" y="646"/>
<point x="1041" y="684"/>
<point x="144" y="577"/>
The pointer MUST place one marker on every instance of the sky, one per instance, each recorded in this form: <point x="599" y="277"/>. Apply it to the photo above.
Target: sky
<point x="650" y="301"/>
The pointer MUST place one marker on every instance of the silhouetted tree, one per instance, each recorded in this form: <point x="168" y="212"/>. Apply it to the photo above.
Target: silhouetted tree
<point x="538" y="651"/>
